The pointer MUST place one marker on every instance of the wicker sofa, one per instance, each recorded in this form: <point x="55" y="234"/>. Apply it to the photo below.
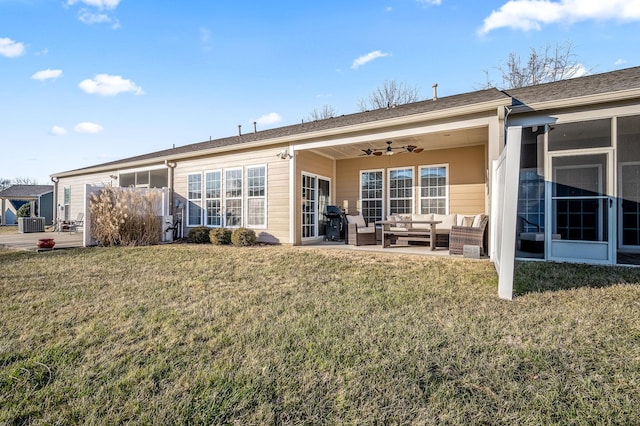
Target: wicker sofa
<point x="453" y="231"/>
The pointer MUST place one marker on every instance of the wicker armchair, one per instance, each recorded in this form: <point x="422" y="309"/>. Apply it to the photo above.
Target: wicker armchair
<point x="468" y="235"/>
<point x="360" y="233"/>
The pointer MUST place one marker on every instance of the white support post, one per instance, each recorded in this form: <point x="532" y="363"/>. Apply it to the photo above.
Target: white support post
<point x="507" y="232"/>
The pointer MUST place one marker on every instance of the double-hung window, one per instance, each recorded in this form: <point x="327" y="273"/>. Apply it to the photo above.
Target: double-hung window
<point x="401" y="191"/>
<point x="233" y="197"/>
<point x="213" y="198"/>
<point x="257" y="196"/>
<point x="371" y="194"/>
<point x="194" y="199"/>
<point x="434" y="189"/>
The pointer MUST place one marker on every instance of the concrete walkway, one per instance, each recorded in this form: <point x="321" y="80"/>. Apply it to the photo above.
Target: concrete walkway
<point x="29" y="241"/>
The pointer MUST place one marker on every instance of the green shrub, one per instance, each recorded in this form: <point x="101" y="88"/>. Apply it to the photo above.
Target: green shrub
<point x="243" y="237"/>
<point x="219" y="236"/>
<point x="198" y="235"/>
<point x="24" y="210"/>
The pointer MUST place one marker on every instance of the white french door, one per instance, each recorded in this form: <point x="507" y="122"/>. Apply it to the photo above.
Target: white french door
<point x="316" y="196"/>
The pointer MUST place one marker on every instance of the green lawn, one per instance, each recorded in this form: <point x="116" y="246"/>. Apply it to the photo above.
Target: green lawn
<point x="199" y="334"/>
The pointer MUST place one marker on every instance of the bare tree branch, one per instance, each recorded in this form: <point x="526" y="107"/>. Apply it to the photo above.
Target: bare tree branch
<point x="391" y="93"/>
<point x="543" y="65"/>
<point x="326" y="111"/>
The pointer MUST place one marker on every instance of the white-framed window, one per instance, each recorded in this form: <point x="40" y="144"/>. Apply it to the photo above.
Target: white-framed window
<point x="372" y="194"/>
<point x="213" y="198"/>
<point x="434" y="189"/>
<point x="233" y="197"/>
<point x="257" y="196"/>
<point x="67" y="202"/>
<point x="401" y="190"/>
<point x="194" y="199"/>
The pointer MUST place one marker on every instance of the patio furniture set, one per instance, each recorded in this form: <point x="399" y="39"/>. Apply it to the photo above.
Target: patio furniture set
<point x="452" y="231"/>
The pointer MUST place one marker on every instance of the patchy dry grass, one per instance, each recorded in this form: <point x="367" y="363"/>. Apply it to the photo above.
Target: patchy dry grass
<point x="8" y="229"/>
<point x="191" y="334"/>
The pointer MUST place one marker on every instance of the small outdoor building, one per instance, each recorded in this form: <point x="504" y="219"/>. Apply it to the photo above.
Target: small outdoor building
<point x="39" y="196"/>
<point x="555" y="166"/>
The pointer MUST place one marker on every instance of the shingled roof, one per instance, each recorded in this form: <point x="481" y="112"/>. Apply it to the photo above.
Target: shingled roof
<point x="595" y="84"/>
<point x="23" y="192"/>
<point x="441" y="104"/>
<point x="565" y="89"/>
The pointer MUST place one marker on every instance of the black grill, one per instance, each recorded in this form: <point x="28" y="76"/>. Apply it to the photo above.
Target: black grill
<point x="335" y="227"/>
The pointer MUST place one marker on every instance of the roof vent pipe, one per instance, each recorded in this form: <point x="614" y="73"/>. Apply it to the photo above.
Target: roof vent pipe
<point x="435" y="91"/>
<point x="255" y="129"/>
<point x="239" y="129"/>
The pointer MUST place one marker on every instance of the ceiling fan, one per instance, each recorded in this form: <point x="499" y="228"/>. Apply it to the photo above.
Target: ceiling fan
<point x="390" y="150"/>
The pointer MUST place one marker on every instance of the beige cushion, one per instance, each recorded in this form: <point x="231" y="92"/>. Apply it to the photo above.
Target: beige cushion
<point x="448" y="220"/>
<point x="476" y="220"/>
<point x="358" y="220"/>
<point x="403" y="217"/>
<point x="366" y="229"/>
<point x="467" y="220"/>
<point x="421" y="217"/>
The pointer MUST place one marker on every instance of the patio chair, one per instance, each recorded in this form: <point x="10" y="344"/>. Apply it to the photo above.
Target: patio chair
<point x="360" y="233"/>
<point x="468" y="235"/>
<point x="79" y="221"/>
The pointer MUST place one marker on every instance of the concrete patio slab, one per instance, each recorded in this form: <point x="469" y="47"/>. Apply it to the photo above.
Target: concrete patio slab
<point x="29" y="241"/>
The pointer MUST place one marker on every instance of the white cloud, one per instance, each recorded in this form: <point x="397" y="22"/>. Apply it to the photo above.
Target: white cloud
<point x="529" y="15"/>
<point x="430" y="2"/>
<point x="88" y="127"/>
<point x="100" y="4"/>
<point x="59" y="131"/>
<point x="90" y="18"/>
<point x="47" y="75"/>
<point x="357" y="63"/>
<point x="577" y="70"/>
<point x="620" y="62"/>
<point x="11" y="48"/>
<point x="109" y="85"/>
<point x="271" y="118"/>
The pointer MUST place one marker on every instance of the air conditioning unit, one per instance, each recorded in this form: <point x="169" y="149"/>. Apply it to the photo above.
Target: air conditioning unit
<point x="30" y="224"/>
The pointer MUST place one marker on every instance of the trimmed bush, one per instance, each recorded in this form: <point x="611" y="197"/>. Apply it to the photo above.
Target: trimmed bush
<point x="198" y="235"/>
<point x="220" y="236"/>
<point x="243" y="237"/>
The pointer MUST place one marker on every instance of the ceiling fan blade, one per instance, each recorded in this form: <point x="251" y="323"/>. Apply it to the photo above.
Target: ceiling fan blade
<point x="377" y="153"/>
<point x="367" y="151"/>
<point x="418" y="150"/>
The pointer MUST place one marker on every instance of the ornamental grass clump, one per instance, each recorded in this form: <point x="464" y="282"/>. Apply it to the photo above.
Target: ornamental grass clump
<point x="125" y="216"/>
<point x="220" y="236"/>
<point x="243" y="237"/>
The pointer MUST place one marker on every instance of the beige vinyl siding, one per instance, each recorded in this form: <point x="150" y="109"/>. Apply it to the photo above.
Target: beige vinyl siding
<point x="467" y="169"/>
<point x="77" y="184"/>
<point x="277" y="230"/>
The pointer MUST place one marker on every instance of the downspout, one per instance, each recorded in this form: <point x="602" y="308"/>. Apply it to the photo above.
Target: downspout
<point x="506" y="118"/>
<point x="55" y="199"/>
<point x="171" y="165"/>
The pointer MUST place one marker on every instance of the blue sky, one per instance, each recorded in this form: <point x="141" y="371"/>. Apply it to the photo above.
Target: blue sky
<point x="89" y="81"/>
